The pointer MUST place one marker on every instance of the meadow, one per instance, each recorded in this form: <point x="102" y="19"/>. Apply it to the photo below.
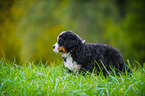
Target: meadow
<point x="53" y="80"/>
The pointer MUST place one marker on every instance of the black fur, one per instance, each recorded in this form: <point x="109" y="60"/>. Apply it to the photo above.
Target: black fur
<point x="92" y="56"/>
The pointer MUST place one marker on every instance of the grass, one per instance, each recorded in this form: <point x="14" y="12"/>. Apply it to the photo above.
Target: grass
<point x="53" y="80"/>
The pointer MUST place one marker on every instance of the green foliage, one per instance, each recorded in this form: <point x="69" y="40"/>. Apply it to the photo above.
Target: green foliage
<point x="128" y="36"/>
<point x="29" y="29"/>
<point x="30" y="79"/>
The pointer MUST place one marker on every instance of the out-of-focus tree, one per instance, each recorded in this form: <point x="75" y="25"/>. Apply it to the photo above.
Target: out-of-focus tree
<point x="129" y="35"/>
<point x="10" y="44"/>
<point x="28" y="29"/>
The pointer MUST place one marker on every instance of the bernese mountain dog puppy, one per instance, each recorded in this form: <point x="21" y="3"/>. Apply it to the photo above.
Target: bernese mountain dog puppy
<point x="78" y="55"/>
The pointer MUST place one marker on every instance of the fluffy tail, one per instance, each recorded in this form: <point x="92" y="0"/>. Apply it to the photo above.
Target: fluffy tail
<point x="126" y="69"/>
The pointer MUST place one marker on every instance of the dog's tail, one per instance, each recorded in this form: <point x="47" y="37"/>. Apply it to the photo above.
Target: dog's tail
<point x="126" y="69"/>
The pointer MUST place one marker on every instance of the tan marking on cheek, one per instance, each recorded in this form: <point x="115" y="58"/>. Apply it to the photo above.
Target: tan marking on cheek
<point x="62" y="49"/>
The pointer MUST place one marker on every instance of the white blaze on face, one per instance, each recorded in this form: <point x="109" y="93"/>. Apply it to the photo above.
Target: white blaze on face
<point x="56" y="48"/>
<point x="56" y="44"/>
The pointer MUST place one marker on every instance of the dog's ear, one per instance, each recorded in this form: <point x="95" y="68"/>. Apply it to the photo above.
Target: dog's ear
<point x="70" y="44"/>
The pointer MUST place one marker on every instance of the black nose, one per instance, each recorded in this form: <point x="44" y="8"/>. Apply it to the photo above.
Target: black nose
<point x="53" y="46"/>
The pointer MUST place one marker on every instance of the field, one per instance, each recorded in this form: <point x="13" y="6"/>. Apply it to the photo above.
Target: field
<point x="53" y="80"/>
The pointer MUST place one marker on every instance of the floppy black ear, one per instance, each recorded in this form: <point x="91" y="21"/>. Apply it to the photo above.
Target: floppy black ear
<point x="70" y="44"/>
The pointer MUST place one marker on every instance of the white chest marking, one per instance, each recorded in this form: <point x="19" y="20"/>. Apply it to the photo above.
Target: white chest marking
<point x="70" y="64"/>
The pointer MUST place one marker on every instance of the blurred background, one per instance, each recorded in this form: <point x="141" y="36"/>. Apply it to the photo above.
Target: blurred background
<point x="28" y="29"/>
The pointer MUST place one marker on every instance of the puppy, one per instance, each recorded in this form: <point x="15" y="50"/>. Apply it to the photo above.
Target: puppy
<point x="78" y="55"/>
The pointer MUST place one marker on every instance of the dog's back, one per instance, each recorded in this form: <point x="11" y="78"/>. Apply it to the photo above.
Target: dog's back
<point x="99" y="56"/>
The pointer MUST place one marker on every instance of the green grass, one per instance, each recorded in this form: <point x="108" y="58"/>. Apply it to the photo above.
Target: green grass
<point x="31" y="80"/>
